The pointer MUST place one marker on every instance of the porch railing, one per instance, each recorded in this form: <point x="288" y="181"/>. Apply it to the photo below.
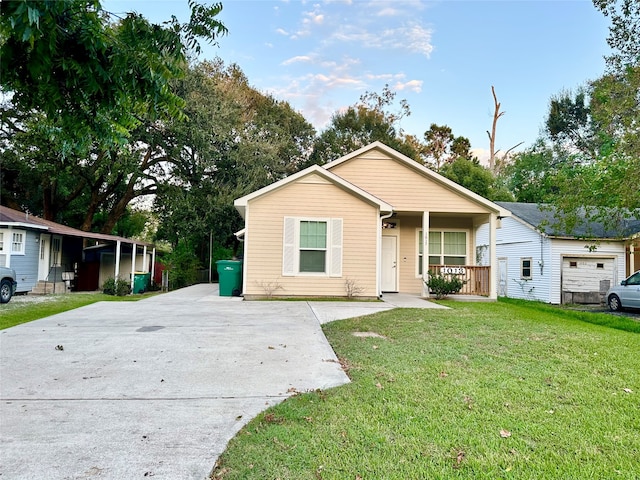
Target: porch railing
<point x="475" y="278"/>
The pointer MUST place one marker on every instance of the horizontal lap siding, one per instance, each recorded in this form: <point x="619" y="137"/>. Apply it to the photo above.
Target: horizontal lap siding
<point x="310" y="197"/>
<point x="401" y="186"/>
<point x="409" y="283"/>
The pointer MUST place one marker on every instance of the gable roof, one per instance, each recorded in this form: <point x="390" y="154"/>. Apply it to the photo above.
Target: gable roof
<point x="14" y="218"/>
<point x="241" y="203"/>
<point x="542" y="217"/>
<point x="426" y="172"/>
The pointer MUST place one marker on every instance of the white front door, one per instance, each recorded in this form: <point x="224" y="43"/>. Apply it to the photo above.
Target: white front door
<point x="502" y="277"/>
<point x="43" y="262"/>
<point x="389" y="282"/>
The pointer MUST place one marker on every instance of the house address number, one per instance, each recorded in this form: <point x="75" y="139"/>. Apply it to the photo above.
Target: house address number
<point x="453" y="271"/>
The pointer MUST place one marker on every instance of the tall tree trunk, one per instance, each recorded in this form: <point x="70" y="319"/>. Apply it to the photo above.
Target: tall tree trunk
<point x="492" y="136"/>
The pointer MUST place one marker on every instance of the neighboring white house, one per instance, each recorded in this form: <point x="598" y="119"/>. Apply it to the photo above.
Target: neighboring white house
<point x="553" y="266"/>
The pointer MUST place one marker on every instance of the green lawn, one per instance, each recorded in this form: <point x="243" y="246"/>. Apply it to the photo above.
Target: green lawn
<point x="483" y="391"/>
<point x="26" y="308"/>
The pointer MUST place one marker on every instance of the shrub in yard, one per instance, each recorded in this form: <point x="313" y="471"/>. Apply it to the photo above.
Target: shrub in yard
<point x="109" y="286"/>
<point x="442" y="286"/>
<point x="118" y="287"/>
<point x="122" y="287"/>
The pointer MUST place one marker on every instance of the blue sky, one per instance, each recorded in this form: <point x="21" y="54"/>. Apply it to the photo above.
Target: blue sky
<point x="441" y="56"/>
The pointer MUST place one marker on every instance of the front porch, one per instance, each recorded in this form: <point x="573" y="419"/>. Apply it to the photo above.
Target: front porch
<point x="417" y="244"/>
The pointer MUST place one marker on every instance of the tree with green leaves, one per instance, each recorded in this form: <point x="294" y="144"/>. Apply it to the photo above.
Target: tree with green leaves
<point x="88" y="93"/>
<point x="596" y="134"/>
<point x="91" y="75"/>
<point x="236" y="140"/>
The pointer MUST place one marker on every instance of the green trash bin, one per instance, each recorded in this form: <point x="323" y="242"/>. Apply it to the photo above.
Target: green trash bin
<point x="140" y="282"/>
<point x="230" y="277"/>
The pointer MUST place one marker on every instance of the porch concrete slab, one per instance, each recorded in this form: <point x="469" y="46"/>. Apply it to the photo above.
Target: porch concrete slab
<point x="151" y="388"/>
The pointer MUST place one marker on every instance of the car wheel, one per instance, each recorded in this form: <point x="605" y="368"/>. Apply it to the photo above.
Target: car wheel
<point x="5" y="291"/>
<point x="614" y="303"/>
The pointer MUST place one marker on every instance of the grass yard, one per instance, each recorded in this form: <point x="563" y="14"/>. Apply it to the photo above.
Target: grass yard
<point x="482" y="391"/>
<point x="26" y="308"/>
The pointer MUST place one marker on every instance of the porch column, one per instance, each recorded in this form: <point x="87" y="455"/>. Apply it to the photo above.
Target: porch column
<point x="425" y="252"/>
<point x="134" y="250"/>
<point x="117" y="261"/>
<point x="632" y="258"/>
<point x="493" y="279"/>
<point x="378" y="256"/>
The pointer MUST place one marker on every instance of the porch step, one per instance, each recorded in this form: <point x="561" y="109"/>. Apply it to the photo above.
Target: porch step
<point x="47" y="288"/>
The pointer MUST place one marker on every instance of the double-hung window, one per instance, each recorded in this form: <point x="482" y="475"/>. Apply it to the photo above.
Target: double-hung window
<point x="445" y="248"/>
<point x="312" y="246"/>
<point x="525" y="269"/>
<point x="17" y="243"/>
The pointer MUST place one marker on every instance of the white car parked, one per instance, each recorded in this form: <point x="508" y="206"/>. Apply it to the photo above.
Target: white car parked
<point x="625" y="295"/>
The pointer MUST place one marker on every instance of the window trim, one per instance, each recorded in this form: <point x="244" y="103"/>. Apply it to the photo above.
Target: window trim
<point x="442" y="254"/>
<point x="291" y="247"/>
<point x="22" y="243"/>
<point x="522" y="268"/>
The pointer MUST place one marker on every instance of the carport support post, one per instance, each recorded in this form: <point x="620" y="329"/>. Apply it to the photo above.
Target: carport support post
<point x="145" y="265"/>
<point x="134" y="251"/>
<point x="153" y="263"/>
<point x="117" y="271"/>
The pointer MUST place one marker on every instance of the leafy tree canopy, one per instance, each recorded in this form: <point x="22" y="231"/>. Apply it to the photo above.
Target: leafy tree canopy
<point x="91" y="75"/>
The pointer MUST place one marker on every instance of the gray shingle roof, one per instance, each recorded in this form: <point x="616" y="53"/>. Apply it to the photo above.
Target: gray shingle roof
<point x="543" y="217"/>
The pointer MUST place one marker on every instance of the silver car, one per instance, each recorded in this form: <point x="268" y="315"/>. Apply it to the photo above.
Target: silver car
<point x="625" y="295"/>
<point x="7" y="284"/>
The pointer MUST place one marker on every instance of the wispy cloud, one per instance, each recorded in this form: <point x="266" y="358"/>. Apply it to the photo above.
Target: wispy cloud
<point x="297" y="59"/>
<point x="411" y="85"/>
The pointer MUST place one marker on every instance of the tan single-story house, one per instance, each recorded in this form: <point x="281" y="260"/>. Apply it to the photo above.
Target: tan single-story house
<point x="371" y="222"/>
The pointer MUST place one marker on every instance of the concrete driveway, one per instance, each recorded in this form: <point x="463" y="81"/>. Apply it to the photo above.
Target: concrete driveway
<point x="155" y="388"/>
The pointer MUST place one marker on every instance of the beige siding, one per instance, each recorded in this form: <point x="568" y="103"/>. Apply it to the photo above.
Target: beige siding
<point x="310" y="197"/>
<point x="402" y="187"/>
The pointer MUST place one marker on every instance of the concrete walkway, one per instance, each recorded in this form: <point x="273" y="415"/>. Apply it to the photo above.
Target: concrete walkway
<point x="330" y="311"/>
<point x="156" y="388"/>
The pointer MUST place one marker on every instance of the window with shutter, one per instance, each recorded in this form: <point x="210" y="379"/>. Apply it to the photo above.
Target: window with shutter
<point x="312" y="246"/>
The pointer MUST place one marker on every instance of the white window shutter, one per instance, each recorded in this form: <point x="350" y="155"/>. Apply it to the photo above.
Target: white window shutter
<point x="336" y="248"/>
<point x="289" y="247"/>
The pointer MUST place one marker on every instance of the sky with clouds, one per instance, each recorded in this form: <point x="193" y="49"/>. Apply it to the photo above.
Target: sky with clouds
<point x="443" y="56"/>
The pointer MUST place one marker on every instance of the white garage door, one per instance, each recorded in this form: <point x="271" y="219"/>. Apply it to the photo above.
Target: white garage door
<point x="580" y="274"/>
